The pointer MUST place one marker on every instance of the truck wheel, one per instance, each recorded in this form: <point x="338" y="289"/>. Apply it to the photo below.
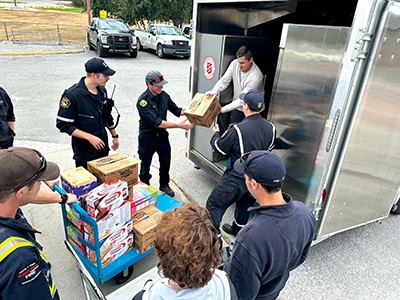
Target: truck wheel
<point x="133" y="54"/>
<point x="186" y="56"/>
<point x="100" y="52"/>
<point x="160" y="51"/>
<point x="90" y="47"/>
<point x="124" y="276"/>
<point x="139" y="45"/>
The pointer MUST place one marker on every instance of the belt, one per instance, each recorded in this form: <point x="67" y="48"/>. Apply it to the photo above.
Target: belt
<point x="154" y="134"/>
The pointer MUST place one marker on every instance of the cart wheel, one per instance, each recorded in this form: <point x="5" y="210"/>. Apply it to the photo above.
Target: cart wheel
<point x="124" y="275"/>
<point x="396" y="208"/>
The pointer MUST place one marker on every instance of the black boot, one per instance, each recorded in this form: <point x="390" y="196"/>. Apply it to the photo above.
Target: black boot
<point x="167" y="190"/>
<point x="231" y="229"/>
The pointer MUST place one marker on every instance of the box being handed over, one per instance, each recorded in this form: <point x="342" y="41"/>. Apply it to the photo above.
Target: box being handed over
<point x="202" y="111"/>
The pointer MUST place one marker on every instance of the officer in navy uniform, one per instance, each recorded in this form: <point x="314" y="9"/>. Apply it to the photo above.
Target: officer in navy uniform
<point x="253" y="133"/>
<point x="85" y="113"/>
<point x="24" y="269"/>
<point x="7" y="120"/>
<point x="153" y="106"/>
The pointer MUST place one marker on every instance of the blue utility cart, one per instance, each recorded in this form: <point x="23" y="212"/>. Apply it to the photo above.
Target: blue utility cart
<point x="93" y="274"/>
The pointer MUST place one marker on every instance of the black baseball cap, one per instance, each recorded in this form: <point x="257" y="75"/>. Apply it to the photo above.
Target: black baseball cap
<point x="97" y="65"/>
<point x="254" y="99"/>
<point x="263" y="166"/>
<point x="156" y="78"/>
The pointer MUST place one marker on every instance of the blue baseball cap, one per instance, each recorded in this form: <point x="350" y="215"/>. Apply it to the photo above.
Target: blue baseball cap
<point x="254" y="99"/>
<point x="263" y="166"/>
<point x="97" y="65"/>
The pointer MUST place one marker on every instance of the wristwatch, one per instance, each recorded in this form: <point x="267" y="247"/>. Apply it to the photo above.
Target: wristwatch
<point x="115" y="136"/>
<point x="64" y="198"/>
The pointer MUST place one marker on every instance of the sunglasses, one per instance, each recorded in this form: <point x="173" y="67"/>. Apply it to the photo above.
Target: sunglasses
<point x="37" y="173"/>
<point x="159" y="79"/>
<point x="243" y="160"/>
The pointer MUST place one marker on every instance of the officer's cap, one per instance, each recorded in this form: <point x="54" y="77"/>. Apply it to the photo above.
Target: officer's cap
<point x="22" y="166"/>
<point x="254" y="99"/>
<point x="156" y="78"/>
<point x="263" y="166"/>
<point x="97" y="65"/>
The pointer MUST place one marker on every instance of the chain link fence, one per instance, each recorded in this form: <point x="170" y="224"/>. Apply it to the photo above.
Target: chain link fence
<point x="42" y="33"/>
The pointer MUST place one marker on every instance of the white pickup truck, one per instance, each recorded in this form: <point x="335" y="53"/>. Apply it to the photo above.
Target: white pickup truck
<point x="164" y="39"/>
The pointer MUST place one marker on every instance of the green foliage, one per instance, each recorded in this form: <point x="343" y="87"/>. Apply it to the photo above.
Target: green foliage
<point x="136" y="11"/>
<point x="79" y="3"/>
<point x="66" y="9"/>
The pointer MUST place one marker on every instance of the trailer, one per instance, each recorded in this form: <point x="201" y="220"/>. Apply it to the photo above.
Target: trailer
<point x="331" y="88"/>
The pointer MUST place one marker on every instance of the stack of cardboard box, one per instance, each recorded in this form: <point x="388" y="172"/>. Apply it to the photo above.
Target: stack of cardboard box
<point x="124" y="210"/>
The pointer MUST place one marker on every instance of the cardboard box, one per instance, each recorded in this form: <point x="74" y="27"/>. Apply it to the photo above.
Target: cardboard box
<point x="115" y="166"/>
<point x="73" y="235"/>
<point x="105" y="198"/>
<point x="112" y="222"/>
<point x="144" y="225"/>
<point x="143" y="196"/>
<point x="78" y="181"/>
<point x="116" y="251"/>
<point x="202" y="111"/>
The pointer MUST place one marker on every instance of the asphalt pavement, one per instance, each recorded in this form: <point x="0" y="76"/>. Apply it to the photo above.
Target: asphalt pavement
<point x="358" y="264"/>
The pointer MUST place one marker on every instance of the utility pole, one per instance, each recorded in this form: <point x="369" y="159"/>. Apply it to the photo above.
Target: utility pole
<point x="89" y="11"/>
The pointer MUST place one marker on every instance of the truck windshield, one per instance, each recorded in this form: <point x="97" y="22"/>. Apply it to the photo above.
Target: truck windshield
<point x="168" y="30"/>
<point x="112" y="25"/>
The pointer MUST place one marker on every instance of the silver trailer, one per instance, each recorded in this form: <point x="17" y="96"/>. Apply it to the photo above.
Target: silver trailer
<point x="332" y="72"/>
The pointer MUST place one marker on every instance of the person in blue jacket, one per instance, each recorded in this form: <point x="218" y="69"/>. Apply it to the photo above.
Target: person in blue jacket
<point x="24" y="268"/>
<point x="277" y="239"/>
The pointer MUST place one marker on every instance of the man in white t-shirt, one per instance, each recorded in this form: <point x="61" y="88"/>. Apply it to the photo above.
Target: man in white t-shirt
<point x="246" y="75"/>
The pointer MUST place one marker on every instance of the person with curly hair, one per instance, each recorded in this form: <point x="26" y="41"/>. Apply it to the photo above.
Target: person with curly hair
<point x="187" y="245"/>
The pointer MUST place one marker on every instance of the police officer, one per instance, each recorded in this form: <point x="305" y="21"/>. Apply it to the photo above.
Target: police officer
<point x="24" y="269"/>
<point x="7" y="120"/>
<point x="253" y="133"/>
<point x="85" y="112"/>
<point x="153" y="106"/>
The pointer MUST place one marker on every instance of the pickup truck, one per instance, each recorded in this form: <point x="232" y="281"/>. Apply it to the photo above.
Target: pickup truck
<point x="164" y="39"/>
<point x="111" y="36"/>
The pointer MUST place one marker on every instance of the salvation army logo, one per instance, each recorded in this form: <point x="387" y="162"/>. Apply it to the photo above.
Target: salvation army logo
<point x="209" y="67"/>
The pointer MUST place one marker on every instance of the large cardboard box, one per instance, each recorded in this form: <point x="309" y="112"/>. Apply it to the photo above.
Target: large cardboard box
<point x="78" y="181"/>
<point x="202" y="111"/>
<point x="115" y="166"/>
<point x="144" y="225"/>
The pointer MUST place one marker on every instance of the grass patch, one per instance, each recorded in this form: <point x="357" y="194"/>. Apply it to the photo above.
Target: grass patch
<point x="66" y="9"/>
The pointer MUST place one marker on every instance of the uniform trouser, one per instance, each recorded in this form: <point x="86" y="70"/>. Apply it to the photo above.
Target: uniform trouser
<point x="150" y="143"/>
<point x="7" y="144"/>
<point x="83" y="163"/>
<point x="230" y="189"/>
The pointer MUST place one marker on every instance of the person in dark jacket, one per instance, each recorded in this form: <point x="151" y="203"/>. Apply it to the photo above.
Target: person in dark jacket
<point x="85" y="113"/>
<point x="277" y="239"/>
<point x="253" y="133"/>
<point x="153" y="106"/>
<point x="24" y="268"/>
<point x="7" y="120"/>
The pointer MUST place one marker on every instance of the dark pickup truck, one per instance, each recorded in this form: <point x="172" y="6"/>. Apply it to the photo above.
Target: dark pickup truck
<point x="111" y="36"/>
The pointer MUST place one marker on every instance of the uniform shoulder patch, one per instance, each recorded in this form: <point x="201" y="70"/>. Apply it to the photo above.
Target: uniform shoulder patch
<point x="143" y="103"/>
<point x="65" y="103"/>
<point x="28" y="273"/>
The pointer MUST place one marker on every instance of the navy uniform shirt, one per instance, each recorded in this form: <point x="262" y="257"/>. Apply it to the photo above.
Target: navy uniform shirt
<point x="153" y="110"/>
<point x="24" y="273"/>
<point x="253" y="133"/>
<point x="79" y="109"/>
<point x="6" y="115"/>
